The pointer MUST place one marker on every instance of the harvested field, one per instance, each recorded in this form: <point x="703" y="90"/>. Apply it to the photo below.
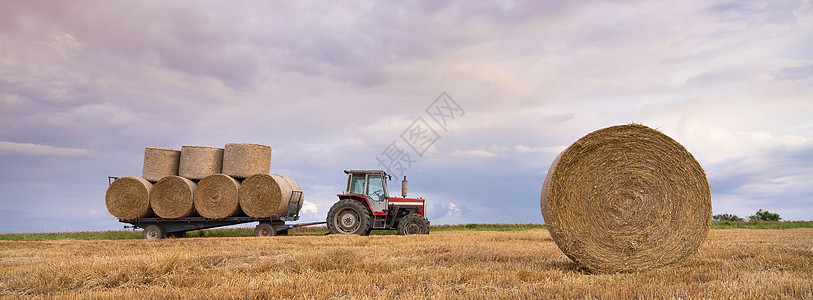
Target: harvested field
<point x="526" y="264"/>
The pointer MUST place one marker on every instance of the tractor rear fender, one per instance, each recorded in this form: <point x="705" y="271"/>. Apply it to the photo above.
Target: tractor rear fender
<point x="360" y="198"/>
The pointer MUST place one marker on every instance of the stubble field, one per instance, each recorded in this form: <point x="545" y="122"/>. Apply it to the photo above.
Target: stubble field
<point x="525" y="264"/>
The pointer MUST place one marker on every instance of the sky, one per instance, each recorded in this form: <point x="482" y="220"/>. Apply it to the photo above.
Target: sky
<point x="496" y="89"/>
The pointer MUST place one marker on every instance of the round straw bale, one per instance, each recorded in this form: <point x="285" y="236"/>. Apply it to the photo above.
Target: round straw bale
<point x="129" y="198"/>
<point x="263" y="196"/>
<point x="217" y="197"/>
<point x="198" y="162"/>
<point x="171" y="197"/>
<point x="626" y="198"/>
<point x="159" y="163"/>
<point x="244" y="160"/>
<point x="294" y="187"/>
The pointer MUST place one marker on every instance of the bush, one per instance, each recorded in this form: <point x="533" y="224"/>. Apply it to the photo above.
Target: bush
<point x="761" y="215"/>
<point x="726" y="217"/>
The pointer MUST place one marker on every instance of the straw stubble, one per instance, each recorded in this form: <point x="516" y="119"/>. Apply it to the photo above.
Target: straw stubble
<point x="626" y="198"/>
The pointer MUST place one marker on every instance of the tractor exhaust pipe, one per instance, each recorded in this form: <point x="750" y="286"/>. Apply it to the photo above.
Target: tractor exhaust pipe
<point x="404" y="188"/>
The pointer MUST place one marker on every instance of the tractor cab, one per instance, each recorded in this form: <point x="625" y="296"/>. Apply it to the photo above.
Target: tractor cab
<point x="366" y="205"/>
<point x="370" y="185"/>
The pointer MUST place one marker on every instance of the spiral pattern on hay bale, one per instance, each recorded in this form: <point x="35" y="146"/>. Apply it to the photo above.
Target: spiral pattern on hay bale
<point x="626" y="198"/>
<point x="198" y="162"/>
<point x="242" y="160"/>
<point x="171" y="197"/>
<point x="217" y="197"/>
<point x="159" y="163"/>
<point x="129" y="198"/>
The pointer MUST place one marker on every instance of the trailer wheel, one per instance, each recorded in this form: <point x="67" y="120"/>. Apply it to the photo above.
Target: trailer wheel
<point x="348" y="217"/>
<point x="153" y="232"/>
<point x="413" y="224"/>
<point x="264" y="229"/>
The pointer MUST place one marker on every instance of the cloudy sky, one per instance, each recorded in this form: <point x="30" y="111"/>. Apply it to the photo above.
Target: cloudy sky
<point x="334" y="85"/>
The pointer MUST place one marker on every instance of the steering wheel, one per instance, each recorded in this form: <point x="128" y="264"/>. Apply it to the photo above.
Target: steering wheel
<point x="379" y="194"/>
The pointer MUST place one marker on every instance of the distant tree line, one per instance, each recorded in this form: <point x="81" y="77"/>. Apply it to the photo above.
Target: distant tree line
<point x="760" y="215"/>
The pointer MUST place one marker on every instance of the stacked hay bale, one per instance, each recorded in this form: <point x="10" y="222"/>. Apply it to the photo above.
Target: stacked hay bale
<point x="216" y="197"/>
<point x="626" y="198"/>
<point x="297" y="198"/>
<point x="198" y="162"/>
<point x="129" y="198"/>
<point x="171" y="197"/>
<point x="159" y="163"/>
<point x="244" y="160"/>
<point x="211" y="182"/>
<point x="263" y="196"/>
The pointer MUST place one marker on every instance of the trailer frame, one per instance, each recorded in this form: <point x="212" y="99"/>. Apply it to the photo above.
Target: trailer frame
<point x="156" y="227"/>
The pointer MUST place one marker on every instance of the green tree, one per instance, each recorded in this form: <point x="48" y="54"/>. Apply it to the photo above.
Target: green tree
<point x="761" y="215"/>
<point x="726" y="217"/>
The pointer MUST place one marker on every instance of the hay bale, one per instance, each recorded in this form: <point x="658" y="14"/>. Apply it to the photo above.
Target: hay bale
<point x="244" y="160"/>
<point x="294" y="187"/>
<point x="263" y="196"/>
<point x="626" y="198"/>
<point x="171" y="197"/>
<point x="129" y="198"/>
<point x="198" y="162"/>
<point x="217" y="197"/>
<point x="159" y="163"/>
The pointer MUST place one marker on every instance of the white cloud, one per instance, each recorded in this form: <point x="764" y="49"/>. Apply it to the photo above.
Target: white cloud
<point x="454" y="211"/>
<point x="309" y="207"/>
<point x="329" y="86"/>
<point x="28" y="149"/>
<point x="478" y="153"/>
<point x="527" y="149"/>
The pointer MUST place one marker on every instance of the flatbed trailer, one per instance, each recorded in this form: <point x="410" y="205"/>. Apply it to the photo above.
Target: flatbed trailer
<point x="156" y="228"/>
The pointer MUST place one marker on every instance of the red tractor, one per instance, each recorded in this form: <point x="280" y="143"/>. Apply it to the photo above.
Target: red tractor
<point x="366" y="205"/>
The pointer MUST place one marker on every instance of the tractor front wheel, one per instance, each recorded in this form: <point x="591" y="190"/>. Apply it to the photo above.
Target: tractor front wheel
<point x="348" y="216"/>
<point x="413" y="224"/>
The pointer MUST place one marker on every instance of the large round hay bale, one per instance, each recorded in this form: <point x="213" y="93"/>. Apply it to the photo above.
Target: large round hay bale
<point x="299" y="198"/>
<point x="129" y="198"/>
<point x="171" y="197"/>
<point x="264" y="195"/>
<point x="159" y="163"/>
<point x="244" y="160"/>
<point x="198" y="162"/>
<point x="626" y="198"/>
<point x="217" y="197"/>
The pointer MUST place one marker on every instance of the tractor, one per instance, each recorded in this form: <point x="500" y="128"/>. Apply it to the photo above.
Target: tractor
<point x="366" y="205"/>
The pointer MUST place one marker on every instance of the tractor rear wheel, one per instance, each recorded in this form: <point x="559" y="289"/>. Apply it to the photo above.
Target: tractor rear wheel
<point x="348" y="216"/>
<point x="413" y="224"/>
